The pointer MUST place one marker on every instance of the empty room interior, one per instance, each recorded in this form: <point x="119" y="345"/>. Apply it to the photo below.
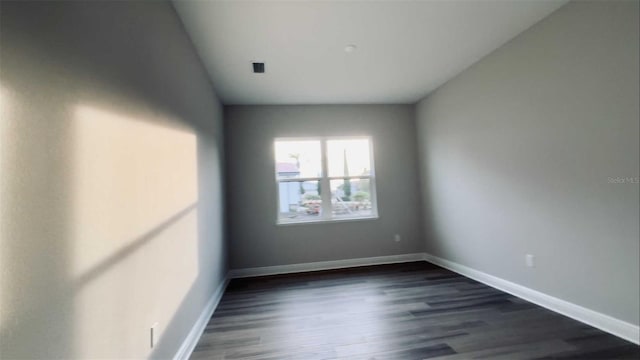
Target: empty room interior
<point x="201" y="179"/>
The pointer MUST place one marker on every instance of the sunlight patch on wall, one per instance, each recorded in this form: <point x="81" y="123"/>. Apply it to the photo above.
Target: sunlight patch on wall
<point x="135" y="195"/>
<point x="4" y="151"/>
<point x="5" y="113"/>
<point x="130" y="177"/>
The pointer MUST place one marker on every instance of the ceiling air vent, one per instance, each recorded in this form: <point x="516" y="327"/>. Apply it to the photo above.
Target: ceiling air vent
<point x="258" y="67"/>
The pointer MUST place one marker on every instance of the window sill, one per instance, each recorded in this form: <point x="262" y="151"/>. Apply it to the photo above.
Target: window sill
<point x="323" y="221"/>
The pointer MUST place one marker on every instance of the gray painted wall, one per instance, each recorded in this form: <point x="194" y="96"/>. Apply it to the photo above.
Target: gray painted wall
<point x="111" y="188"/>
<point x="255" y="239"/>
<point x="517" y="152"/>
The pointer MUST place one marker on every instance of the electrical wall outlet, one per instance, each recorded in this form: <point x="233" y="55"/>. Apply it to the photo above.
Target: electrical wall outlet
<point x="153" y="334"/>
<point x="530" y="260"/>
<point x="396" y="238"/>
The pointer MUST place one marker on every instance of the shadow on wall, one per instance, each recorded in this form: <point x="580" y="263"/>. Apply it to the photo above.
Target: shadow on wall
<point x="101" y="236"/>
<point x="429" y="226"/>
<point x="109" y="196"/>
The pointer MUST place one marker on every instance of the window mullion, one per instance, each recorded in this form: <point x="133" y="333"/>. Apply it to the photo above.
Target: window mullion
<point x="287" y="180"/>
<point x="325" y="185"/>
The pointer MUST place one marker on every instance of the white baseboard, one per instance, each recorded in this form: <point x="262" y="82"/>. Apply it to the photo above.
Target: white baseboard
<point x="324" y="265"/>
<point x="596" y="319"/>
<point x="194" y="335"/>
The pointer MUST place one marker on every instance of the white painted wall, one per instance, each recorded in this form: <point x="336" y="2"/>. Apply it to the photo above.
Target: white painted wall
<point x="518" y="153"/>
<point x="256" y="240"/>
<point x="111" y="162"/>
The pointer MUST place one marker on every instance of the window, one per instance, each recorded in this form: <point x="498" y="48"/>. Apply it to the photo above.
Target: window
<point x="324" y="179"/>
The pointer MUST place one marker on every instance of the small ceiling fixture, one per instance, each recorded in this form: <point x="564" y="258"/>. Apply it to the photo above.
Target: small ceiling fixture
<point x="350" y="48"/>
<point x="258" y="67"/>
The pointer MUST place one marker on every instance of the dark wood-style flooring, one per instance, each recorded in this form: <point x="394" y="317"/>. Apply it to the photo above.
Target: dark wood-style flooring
<point x="401" y="311"/>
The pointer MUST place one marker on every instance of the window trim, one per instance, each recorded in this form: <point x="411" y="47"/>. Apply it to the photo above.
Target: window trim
<point x="325" y="182"/>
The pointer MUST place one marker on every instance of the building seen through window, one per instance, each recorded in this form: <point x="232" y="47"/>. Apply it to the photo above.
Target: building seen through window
<point x="324" y="179"/>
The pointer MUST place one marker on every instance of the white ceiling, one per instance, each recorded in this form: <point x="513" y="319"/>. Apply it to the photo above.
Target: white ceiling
<point x="405" y="49"/>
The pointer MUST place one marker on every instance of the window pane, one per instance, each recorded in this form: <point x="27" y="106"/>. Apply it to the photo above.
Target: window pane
<point x="351" y="198"/>
<point x="349" y="157"/>
<point x="299" y="200"/>
<point x="295" y="159"/>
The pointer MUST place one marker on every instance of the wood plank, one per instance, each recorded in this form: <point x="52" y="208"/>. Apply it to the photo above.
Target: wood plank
<point x="400" y="311"/>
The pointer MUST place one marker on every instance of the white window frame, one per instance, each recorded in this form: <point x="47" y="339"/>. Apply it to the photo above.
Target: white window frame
<point x="326" y="214"/>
